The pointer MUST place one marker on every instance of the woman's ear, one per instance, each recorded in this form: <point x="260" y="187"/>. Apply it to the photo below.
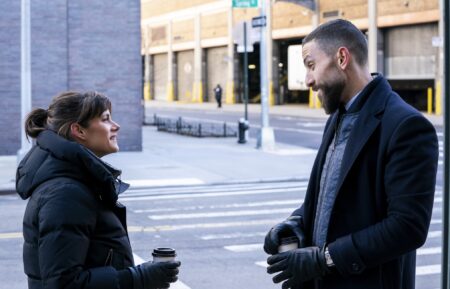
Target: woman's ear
<point x="77" y="131"/>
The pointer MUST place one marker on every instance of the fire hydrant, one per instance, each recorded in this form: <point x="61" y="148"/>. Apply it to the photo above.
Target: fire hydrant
<point x="243" y="126"/>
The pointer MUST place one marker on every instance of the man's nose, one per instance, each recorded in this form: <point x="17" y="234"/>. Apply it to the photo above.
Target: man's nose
<point x="309" y="80"/>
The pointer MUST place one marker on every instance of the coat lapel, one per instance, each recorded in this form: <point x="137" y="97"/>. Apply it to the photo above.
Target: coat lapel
<point x="364" y="127"/>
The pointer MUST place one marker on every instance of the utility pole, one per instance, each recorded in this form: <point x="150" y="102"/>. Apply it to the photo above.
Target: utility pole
<point x="373" y="35"/>
<point x="266" y="138"/>
<point x="25" y="77"/>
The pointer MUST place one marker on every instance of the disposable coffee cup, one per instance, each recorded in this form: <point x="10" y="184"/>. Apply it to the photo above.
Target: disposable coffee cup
<point x="163" y="255"/>
<point x="287" y="244"/>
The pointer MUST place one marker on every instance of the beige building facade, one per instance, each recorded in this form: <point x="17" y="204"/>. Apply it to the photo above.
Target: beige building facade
<point x="189" y="47"/>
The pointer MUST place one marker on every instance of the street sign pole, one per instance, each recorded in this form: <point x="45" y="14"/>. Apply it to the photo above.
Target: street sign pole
<point x="25" y="76"/>
<point x="266" y="139"/>
<point x="245" y="71"/>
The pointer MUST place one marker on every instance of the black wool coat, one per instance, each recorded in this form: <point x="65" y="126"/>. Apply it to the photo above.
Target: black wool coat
<point x="74" y="230"/>
<point x="383" y="207"/>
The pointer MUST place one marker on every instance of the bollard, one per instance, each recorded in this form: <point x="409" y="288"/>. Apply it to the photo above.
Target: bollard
<point x="243" y="126"/>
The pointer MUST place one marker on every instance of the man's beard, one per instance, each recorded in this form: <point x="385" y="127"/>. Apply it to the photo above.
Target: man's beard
<point x="331" y="95"/>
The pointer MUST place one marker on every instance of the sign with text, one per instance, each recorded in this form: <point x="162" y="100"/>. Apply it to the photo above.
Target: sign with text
<point x="259" y="21"/>
<point x="245" y="3"/>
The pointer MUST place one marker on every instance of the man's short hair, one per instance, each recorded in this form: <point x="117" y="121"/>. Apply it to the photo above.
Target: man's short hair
<point x="340" y="33"/>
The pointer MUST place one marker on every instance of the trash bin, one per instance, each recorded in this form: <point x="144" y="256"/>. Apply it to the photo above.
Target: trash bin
<point x="243" y="126"/>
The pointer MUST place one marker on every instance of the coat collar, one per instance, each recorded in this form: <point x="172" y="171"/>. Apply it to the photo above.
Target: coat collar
<point x="370" y="104"/>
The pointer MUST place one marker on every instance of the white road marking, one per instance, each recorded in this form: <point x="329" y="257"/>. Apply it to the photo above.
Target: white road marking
<point x="434" y="234"/>
<point x="232" y="236"/>
<point x="435" y="221"/>
<point x="429" y="251"/>
<point x="244" y="248"/>
<point x="227" y="206"/>
<point x="205" y="195"/>
<point x="428" y="270"/>
<point x="262" y="264"/>
<point x="177" y="285"/>
<point x="135" y="184"/>
<point x="293" y="152"/>
<point x="268" y="222"/>
<point x="221" y="214"/>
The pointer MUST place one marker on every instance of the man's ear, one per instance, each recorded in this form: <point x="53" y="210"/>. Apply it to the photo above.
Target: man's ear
<point x="77" y="131"/>
<point x="343" y="57"/>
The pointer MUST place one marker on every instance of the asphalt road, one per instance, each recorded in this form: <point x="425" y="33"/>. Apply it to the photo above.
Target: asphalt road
<point x="217" y="230"/>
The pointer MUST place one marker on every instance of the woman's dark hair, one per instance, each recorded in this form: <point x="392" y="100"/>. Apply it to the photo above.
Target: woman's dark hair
<point x="67" y="108"/>
<point x="336" y="33"/>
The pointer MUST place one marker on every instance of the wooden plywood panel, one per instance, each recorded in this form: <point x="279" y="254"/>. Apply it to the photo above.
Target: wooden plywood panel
<point x="160" y="76"/>
<point x="391" y="7"/>
<point x="244" y="14"/>
<point x="217" y="66"/>
<point x="288" y="15"/>
<point x="158" y="36"/>
<point x="214" y="25"/>
<point x="348" y="9"/>
<point x="183" y="31"/>
<point x="185" y="75"/>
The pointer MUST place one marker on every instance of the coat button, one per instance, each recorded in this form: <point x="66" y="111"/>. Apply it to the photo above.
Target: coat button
<point x="356" y="267"/>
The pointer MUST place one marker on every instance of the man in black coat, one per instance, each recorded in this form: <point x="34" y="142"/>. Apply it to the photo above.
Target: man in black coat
<point x="370" y="196"/>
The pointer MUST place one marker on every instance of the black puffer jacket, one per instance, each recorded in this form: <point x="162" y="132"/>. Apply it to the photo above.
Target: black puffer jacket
<point x="75" y="231"/>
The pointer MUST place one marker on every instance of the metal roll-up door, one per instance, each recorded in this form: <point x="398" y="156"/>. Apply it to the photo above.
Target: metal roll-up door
<point x="217" y="67"/>
<point x="160" y="76"/>
<point x="409" y="53"/>
<point x="185" y="75"/>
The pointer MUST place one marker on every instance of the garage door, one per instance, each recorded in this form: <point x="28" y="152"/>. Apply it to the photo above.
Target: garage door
<point x="185" y="75"/>
<point x="217" y="67"/>
<point x="409" y="52"/>
<point x="160" y="76"/>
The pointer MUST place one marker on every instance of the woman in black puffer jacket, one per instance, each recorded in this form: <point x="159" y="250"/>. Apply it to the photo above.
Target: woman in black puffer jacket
<point x="74" y="229"/>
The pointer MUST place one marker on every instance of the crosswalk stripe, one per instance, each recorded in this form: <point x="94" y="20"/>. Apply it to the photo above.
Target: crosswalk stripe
<point x="205" y="195"/>
<point x="434" y="234"/>
<point x="214" y="188"/>
<point x="428" y="270"/>
<point x="221" y="214"/>
<point x="429" y="251"/>
<point x="244" y="248"/>
<point x="232" y="236"/>
<point x="226" y="206"/>
<point x="177" y="285"/>
<point x="269" y="222"/>
<point x="135" y="184"/>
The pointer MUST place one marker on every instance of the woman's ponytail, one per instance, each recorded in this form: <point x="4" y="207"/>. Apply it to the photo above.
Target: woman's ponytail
<point x="36" y="122"/>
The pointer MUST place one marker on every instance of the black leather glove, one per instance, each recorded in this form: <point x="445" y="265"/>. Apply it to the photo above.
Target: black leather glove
<point x="151" y="275"/>
<point x="298" y="266"/>
<point x="292" y="226"/>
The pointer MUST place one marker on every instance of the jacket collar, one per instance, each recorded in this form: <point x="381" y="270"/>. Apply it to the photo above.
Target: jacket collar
<point x="71" y="159"/>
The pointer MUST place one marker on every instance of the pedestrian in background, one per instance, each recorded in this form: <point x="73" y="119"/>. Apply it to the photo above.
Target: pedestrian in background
<point x="370" y="195"/>
<point x="74" y="229"/>
<point x="218" y="95"/>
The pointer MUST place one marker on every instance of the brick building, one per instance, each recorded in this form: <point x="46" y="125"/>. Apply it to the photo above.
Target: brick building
<point x="75" y="45"/>
<point x="188" y="47"/>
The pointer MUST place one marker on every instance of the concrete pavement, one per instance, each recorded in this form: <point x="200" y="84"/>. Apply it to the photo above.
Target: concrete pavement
<point x="174" y="160"/>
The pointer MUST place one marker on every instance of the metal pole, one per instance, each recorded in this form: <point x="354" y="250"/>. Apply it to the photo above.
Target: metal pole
<point x="245" y="71"/>
<point x="373" y="35"/>
<point x="445" y="284"/>
<point x="25" y="76"/>
<point x="266" y="139"/>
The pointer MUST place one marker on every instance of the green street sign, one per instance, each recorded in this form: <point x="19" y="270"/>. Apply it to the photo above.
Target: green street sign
<point x="245" y="3"/>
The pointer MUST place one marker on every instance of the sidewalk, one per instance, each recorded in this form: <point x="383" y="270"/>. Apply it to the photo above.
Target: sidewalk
<point x="175" y="160"/>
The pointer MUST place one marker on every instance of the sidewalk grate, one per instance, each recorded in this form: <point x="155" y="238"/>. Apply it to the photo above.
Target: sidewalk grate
<point x="193" y="128"/>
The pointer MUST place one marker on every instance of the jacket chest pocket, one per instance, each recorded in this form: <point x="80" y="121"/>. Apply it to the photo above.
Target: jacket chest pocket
<point x="99" y="255"/>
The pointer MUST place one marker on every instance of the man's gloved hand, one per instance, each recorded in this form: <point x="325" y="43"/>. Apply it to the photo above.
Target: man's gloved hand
<point x="291" y="226"/>
<point x="298" y="266"/>
<point x="151" y="275"/>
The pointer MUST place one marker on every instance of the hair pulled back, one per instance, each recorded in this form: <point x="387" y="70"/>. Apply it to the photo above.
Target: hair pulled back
<point x="65" y="109"/>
